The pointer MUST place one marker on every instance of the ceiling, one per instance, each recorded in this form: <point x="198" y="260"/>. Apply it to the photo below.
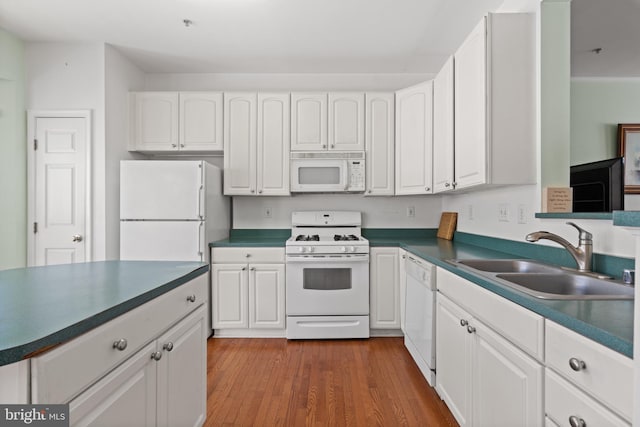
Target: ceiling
<point x="258" y="36"/>
<point x="613" y="26"/>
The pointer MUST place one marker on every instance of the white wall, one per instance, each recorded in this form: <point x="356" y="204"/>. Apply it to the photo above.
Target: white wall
<point x="13" y="154"/>
<point x="121" y="76"/>
<point x="70" y="76"/>
<point x="281" y="82"/>
<point x="378" y="212"/>
<point x="484" y="204"/>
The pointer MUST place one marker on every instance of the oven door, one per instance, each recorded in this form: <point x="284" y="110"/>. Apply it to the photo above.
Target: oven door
<point x="320" y="285"/>
<point x="319" y="175"/>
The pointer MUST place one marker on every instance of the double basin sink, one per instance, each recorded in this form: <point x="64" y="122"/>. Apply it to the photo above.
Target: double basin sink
<point x="546" y="281"/>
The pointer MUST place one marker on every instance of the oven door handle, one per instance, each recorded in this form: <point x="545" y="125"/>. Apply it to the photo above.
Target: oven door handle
<point x="327" y="259"/>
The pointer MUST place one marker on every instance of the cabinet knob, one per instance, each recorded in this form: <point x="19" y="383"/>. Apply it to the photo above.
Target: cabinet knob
<point x="156" y="355"/>
<point x="454" y="184"/>
<point x="577" y="421"/>
<point x="181" y="145"/>
<point x="247" y="256"/>
<point x="168" y="346"/>
<point x="120" y="345"/>
<point x="174" y="146"/>
<point x="191" y="298"/>
<point x="471" y="329"/>
<point x="76" y="238"/>
<point x="427" y="189"/>
<point x="253" y="191"/>
<point x="369" y="191"/>
<point x="244" y="268"/>
<point x="463" y="322"/>
<point x="577" y="364"/>
<point x="252" y="269"/>
<point x="447" y="185"/>
<point x="324" y="145"/>
<point x="333" y="145"/>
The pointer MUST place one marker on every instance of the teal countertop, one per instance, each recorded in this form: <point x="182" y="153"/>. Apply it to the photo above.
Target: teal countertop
<point x="626" y="218"/>
<point x="45" y="306"/>
<point x="609" y="322"/>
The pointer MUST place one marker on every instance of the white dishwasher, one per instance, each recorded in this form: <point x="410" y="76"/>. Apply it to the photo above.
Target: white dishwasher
<point x="420" y="315"/>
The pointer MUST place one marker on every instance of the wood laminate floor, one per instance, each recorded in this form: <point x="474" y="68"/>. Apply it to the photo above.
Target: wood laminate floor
<point x="275" y="382"/>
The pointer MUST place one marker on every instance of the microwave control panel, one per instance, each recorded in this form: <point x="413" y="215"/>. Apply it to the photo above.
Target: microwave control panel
<point x="356" y="175"/>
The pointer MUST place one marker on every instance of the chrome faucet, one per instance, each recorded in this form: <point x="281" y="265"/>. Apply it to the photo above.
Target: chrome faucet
<point x="581" y="254"/>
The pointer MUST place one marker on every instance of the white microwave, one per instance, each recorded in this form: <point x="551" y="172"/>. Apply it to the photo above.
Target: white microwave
<point x="327" y="172"/>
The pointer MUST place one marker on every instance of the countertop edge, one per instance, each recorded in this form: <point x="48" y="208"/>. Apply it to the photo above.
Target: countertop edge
<point x="27" y="350"/>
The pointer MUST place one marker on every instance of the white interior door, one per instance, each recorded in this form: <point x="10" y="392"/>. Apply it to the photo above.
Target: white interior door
<point x="59" y="190"/>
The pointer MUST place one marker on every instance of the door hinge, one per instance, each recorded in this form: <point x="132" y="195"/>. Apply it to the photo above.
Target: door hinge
<point x="35" y="227"/>
<point x="35" y="144"/>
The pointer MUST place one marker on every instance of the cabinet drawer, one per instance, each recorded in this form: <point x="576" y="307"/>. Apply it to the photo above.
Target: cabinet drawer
<point x="247" y="255"/>
<point x="522" y="327"/>
<point x="607" y="375"/>
<point x="563" y="400"/>
<point x="63" y="372"/>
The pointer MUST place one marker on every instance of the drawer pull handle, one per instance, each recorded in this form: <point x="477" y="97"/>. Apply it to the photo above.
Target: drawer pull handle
<point x="577" y="364"/>
<point x="168" y="346"/>
<point x="463" y="322"/>
<point x="156" y="355"/>
<point x="191" y="298"/>
<point x="120" y="345"/>
<point x="247" y="256"/>
<point x="576" y="421"/>
<point x="471" y="329"/>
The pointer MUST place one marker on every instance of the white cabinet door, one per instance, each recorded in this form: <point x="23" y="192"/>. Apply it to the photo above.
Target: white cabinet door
<point x="453" y="355"/>
<point x="126" y="396"/>
<point x="229" y="296"/>
<point x="346" y="121"/>
<point x="308" y="121"/>
<point x="385" y="289"/>
<point x="507" y="384"/>
<point x="266" y="296"/>
<point x="443" y="177"/>
<point x="182" y="372"/>
<point x="273" y="144"/>
<point x="201" y="121"/>
<point x="155" y="120"/>
<point x="379" y="143"/>
<point x="414" y="139"/>
<point x="470" y="109"/>
<point x="240" y="143"/>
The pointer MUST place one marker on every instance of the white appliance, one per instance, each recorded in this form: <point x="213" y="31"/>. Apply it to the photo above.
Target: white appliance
<point x="420" y="316"/>
<point x="327" y="172"/>
<point x="170" y="209"/>
<point x="327" y="276"/>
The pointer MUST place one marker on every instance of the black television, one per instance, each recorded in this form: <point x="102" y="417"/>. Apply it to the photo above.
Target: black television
<point x="598" y="186"/>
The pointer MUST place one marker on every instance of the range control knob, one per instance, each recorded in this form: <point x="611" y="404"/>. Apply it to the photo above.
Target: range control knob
<point x="310" y="249"/>
<point x="343" y="249"/>
<point x="352" y="249"/>
<point x="302" y="249"/>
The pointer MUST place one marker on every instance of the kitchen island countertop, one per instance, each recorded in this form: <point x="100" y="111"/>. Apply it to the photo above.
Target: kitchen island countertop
<point x="41" y="307"/>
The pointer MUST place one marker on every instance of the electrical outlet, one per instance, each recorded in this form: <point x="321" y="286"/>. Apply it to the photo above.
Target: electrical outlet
<point x="267" y="212"/>
<point x="522" y="214"/>
<point x="503" y="212"/>
<point x="411" y="211"/>
<point x="470" y="212"/>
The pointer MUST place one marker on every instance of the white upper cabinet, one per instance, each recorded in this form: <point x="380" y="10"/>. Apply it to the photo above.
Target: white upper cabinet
<point x="175" y="122"/>
<point x="414" y="139"/>
<point x="154" y="121"/>
<point x="273" y="144"/>
<point x="308" y="121"/>
<point x="333" y="121"/>
<point x="346" y="121"/>
<point x="443" y="177"/>
<point x="379" y="143"/>
<point x="240" y="126"/>
<point x="200" y="121"/>
<point x="495" y="90"/>
<point x="256" y="143"/>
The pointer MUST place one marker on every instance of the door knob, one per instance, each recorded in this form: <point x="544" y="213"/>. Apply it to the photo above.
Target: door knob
<point x="76" y="238"/>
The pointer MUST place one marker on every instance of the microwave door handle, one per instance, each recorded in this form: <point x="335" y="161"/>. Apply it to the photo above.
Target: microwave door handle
<point x="345" y="175"/>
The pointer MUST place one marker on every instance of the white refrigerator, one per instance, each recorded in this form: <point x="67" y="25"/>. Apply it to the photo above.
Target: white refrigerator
<point x="170" y="210"/>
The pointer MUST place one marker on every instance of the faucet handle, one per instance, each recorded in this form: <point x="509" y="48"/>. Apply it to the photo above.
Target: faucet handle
<point x="584" y="234"/>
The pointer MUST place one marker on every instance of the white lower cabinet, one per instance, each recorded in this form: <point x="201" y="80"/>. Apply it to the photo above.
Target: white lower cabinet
<point x="164" y="384"/>
<point x="384" y="277"/>
<point x="484" y="379"/>
<point x="402" y="278"/>
<point x="247" y="295"/>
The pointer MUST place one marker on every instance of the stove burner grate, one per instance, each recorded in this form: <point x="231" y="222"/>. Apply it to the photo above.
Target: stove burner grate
<point x="307" y="238"/>
<point x="344" y="237"/>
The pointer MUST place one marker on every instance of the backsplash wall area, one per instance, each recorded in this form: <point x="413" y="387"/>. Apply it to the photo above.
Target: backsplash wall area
<point x="377" y="212"/>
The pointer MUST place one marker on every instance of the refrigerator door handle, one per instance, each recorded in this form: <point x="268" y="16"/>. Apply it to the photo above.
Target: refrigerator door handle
<point x="200" y="201"/>
<point x="201" y="242"/>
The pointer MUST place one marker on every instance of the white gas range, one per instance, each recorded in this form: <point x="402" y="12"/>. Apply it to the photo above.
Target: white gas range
<point x="327" y="276"/>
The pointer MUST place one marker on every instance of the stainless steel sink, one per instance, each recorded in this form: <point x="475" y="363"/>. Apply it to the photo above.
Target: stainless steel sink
<point x="567" y="286"/>
<point x="506" y="265"/>
<point x="546" y="281"/>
